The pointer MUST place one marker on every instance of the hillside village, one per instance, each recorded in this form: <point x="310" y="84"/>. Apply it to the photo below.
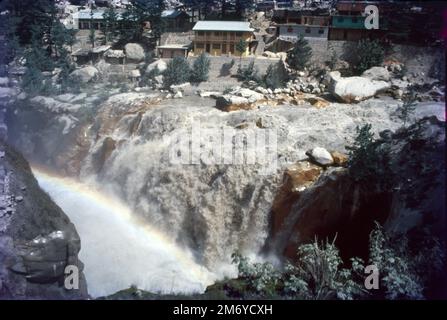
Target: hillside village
<point x="246" y="42"/>
<point x="100" y="91"/>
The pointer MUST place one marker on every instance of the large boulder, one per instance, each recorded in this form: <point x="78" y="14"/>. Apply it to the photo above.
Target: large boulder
<point x="269" y="54"/>
<point x="320" y="156"/>
<point x="354" y="89"/>
<point x="160" y="65"/>
<point x="180" y="87"/>
<point x="86" y="74"/>
<point x="228" y="102"/>
<point x="134" y="52"/>
<point x="377" y="73"/>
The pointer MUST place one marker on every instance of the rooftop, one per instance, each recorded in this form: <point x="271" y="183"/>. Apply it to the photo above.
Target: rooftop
<point x="97" y="14"/>
<point x="172" y="13"/>
<point x="222" y="26"/>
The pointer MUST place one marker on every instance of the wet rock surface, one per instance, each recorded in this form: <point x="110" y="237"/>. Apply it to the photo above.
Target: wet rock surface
<point x="37" y="240"/>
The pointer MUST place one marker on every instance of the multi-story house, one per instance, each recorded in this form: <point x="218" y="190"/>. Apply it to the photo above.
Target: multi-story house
<point x="221" y="37"/>
<point x="308" y="27"/>
<point x="349" y="21"/>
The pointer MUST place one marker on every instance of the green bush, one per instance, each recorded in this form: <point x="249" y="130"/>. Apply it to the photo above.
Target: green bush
<point x="200" y="69"/>
<point x="276" y="76"/>
<point x="368" y="53"/>
<point x="408" y="107"/>
<point x="248" y="73"/>
<point x="177" y="72"/>
<point x="34" y="83"/>
<point x="405" y="270"/>
<point x="368" y="162"/>
<point x="299" y="56"/>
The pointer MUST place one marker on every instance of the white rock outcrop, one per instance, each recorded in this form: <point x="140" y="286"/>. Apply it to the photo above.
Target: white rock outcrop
<point x="161" y="65"/>
<point x="321" y="156"/>
<point x="86" y="74"/>
<point x="134" y="52"/>
<point x="354" y="89"/>
<point x="377" y="73"/>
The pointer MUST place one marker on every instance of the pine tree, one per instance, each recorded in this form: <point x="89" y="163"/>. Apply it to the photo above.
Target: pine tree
<point x="33" y="81"/>
<point x="36" y="55"/>
<point x="137" y="14"/>
<point x="111" y="24"/>
<point x="200" y="68"/>
<point x="300" y="55"/>
<point x="407" y="109"/>
<point x="248" y="73"/>
<point x="276" y="75"/>
<point x="62" y="37"/>
<point x="92" y="36"/>
<point x="177" y="72"/>
<point x="241" y="47"/>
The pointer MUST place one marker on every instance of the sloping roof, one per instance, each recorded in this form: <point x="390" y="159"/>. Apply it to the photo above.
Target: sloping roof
<point x="97" y="14"/>
<point x="222" y="26"/>
<point x="86" y="14"/>
<point x="172" y="14"/>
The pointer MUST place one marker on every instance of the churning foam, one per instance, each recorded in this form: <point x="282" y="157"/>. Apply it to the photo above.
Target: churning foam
<point x="119" y="250"/>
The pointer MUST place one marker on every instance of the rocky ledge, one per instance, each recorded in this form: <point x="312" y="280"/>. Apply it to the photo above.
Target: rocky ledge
<point x="37" y="240"/>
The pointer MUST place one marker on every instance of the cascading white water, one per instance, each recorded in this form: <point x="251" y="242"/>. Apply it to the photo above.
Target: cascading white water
<point x="117" y="249"/>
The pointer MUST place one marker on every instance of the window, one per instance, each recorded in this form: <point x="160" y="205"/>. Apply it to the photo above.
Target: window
<point x="200" y="33"/>
<point x="320" y="31"/>
<point x="239" y="34"/>
<point x="289" y="30"/>
<point x="340" y="19"/>
<point x="208" y="33"/>
<point x="216" y="33"/>
<point x="224" y="48"/>
<point x="216" y="46"/>
<point x="307" y="30"/>
<point x="200" y="45"/>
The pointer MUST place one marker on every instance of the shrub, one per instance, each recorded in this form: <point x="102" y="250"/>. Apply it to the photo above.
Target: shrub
<point x="332" y="63"/>
<point x="368" y="53"/>
<point x="248" y="73"/>
<point x="261" y="278"/>
<point x="398" y="274"/>
<point x="368" y="163"/>
<point x="241" y="46"/>
<point x="408" y="107"/>
<point x="299" y="56"/>
<point x="276" y="76"/>
<point x="34" y="82"/>
<point x="200" y="69"/>
<point x="177" y="72"/>
<point x="404" y="271"/>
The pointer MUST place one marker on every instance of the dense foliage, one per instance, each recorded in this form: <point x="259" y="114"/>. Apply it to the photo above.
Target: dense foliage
<point x="320" y="273"/>
<point x="200" y="69"/>
<point x="178" y="71"/>
<point x="276" y="76"/>
<point x="299" y="56"/>
<point x="368" y="161"/>
<point x="368" y="53"/>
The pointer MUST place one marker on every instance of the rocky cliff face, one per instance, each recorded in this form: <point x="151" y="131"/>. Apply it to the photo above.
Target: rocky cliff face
<point x="37" y="240"/>
<point x="127" y="143"/>
<point x="331" y="204"/>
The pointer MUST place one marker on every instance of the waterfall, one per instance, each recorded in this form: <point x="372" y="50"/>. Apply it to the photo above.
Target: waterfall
<point x="120" y="250"/>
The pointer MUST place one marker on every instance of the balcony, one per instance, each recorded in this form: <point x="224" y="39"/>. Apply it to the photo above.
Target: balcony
<point x="221" y="37"/>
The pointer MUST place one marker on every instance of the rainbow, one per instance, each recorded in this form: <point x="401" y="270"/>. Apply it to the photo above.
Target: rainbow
<point x="123" y="215"/>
